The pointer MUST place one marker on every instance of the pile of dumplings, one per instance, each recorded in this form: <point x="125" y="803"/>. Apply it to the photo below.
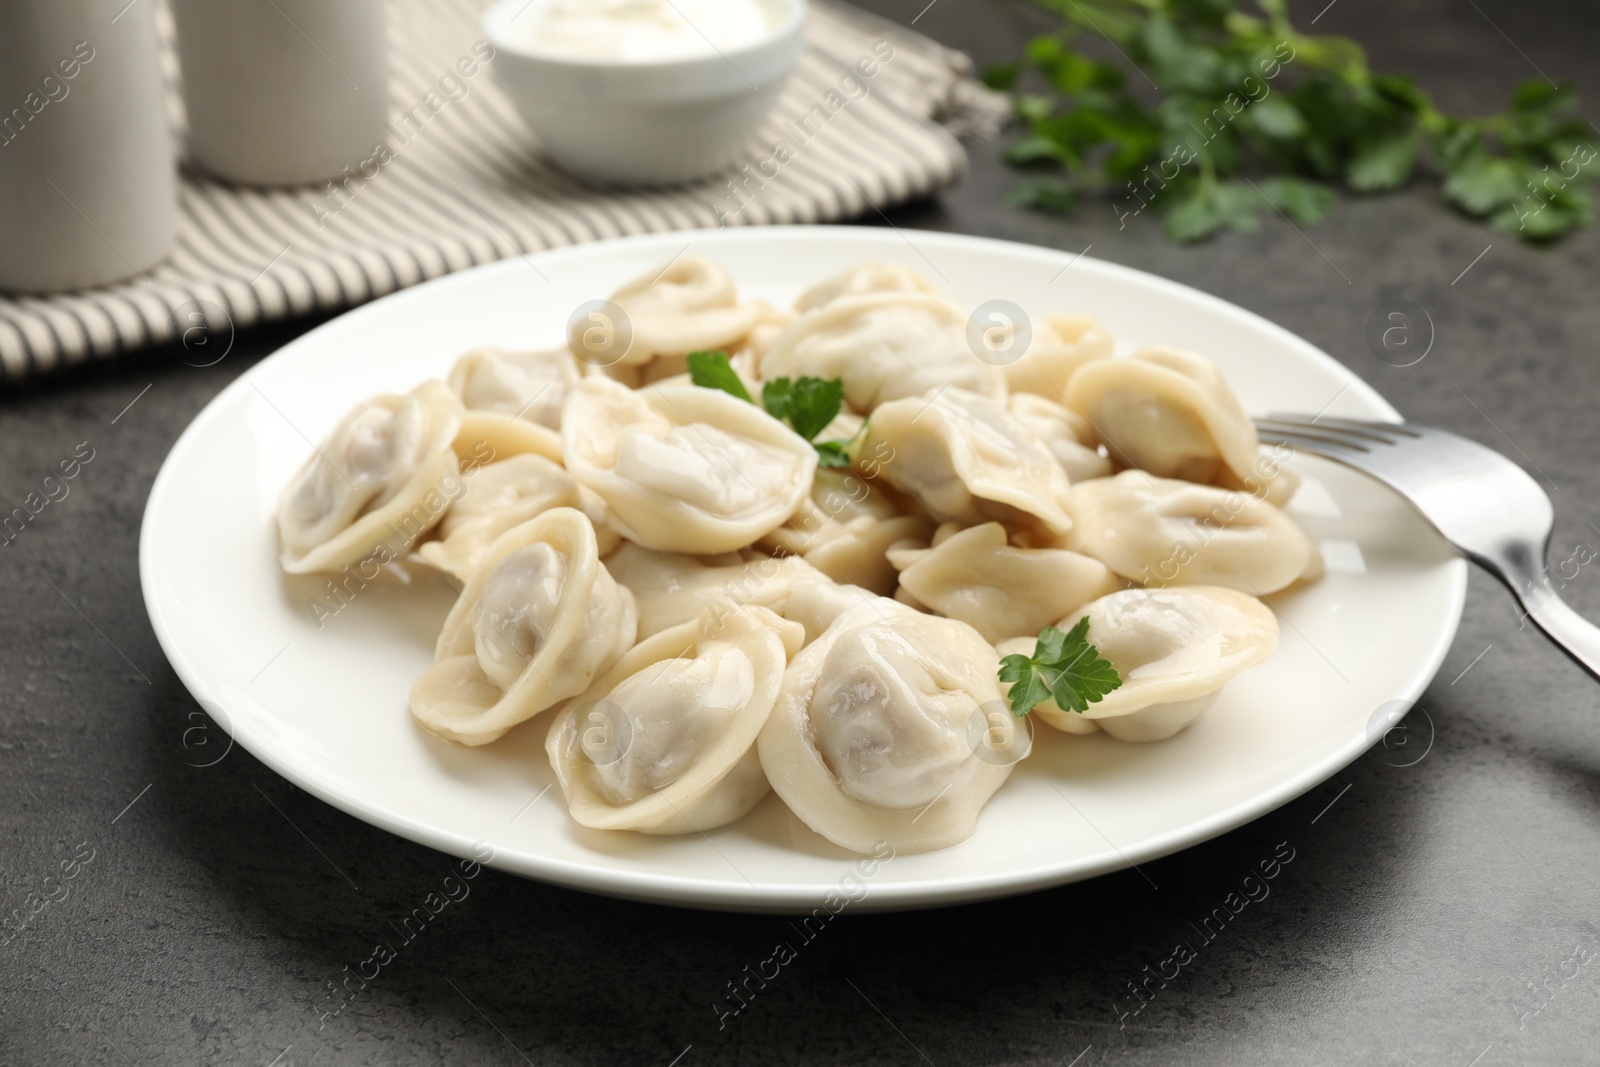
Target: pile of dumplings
<point x="699" y="613"/>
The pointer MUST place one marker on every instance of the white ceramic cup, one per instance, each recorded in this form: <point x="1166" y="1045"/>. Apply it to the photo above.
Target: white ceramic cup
<point x="282" y="92"/>
<point x="88" y="194"/>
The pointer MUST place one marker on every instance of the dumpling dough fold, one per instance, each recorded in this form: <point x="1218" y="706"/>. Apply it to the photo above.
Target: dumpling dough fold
<point x="513" y="401"/>
<point x="690" y="305"/>
<point x="1160" y="532"/>
<point x="884" y="346"/>
<point x="383" y="478"/>
<point x="880" y="731"/>
<point x="498" y="496"/>
<point x="966" y="460"/>
<point x="1066" y="434"/>
<point x="682" y="468"/>
<point x="1170" y="412"/>
<point x="998" y="589"/>
<point x="672" y="589"/>
<point x="538" y="620"/>
<point x="1061" y="345"/>
<point x="1174" y="648"/>
<point x="871" y="277"/>
<point x="664" y="742"/>
<point x="845" y="527"/>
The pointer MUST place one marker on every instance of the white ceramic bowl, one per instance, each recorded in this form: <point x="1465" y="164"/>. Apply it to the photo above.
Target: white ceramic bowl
<point x="645" y="123"/>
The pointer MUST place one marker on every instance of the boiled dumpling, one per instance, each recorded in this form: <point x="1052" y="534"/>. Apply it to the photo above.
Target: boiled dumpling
<point x="664" y="742"/>
<point x="682" y="468"/>
<point x="1160" y="531"/>
<point x="770" y="322"/>
<point x="1169" y="412"/>
<point x="1064" y="432"/>
<point x="535" y="624"/>
<point x="671" y="589"/>
<point x="837" y="496"/>
<point x="815" y="603"/>
<point x="964" y="459"/>
<point x="884" y="346"/>
<point x="513" y="400"/>
<point x="380" y="481"/>
<point x="1000" y="590"/>
<point x="880" y="733"/>
<point x="687" y="306"/>
<point x="864" y="278"/>
<point x="498" y="496"/>
<point x="531" y="386"/>
<point x="1061" y="345"/>
<point x="1174" y="648"/>
<point x="845" y="528"/>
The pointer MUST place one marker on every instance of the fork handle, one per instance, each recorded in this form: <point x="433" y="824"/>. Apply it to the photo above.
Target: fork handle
<point x="1577" y="636"/>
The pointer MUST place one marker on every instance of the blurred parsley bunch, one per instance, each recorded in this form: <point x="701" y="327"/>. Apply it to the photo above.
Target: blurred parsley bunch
<point x="1242" y="94"/>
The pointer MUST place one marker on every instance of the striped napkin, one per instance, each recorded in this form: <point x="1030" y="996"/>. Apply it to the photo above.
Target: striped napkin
<point x="461" y="183"/>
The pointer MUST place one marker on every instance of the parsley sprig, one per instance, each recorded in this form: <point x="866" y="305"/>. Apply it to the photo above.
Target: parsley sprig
<point x="807" y="404"/>
<point x="1064" y="666"/>
<point x="1241" y="92"/>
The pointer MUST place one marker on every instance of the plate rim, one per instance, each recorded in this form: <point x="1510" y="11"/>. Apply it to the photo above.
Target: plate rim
<point x="674" y="890"/>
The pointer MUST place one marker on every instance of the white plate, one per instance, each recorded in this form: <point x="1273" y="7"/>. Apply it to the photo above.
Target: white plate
<point x="327" y="708"/>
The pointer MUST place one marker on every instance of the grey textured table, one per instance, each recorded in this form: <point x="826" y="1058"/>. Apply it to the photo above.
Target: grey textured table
<point x="1438" y="913"/>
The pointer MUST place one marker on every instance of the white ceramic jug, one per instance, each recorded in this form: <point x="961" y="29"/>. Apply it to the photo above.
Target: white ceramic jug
<point x="282" y="92"/>
<point x="88" y="193"/>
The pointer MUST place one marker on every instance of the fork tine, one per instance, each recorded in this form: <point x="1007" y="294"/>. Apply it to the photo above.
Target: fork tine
<point x="1368" y="425"/>
<point x="1297" y="434"/>
<point x="1343" y="429"/>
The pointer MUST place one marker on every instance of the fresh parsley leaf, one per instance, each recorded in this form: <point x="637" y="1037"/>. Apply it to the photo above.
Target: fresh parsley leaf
<point x="1536" y="94"/>
<point x="1051" y="195"/>
<point x="713" y="371"/>
<point x="1003" y="76"/>
<point x="1275" y="116"/>
<point x="832" y="453"/>
<point x="808" y="404"/>
<point x="1176" y="59"/>
<point x="1028" y="688"/>
<point x="1209" y="207"/>
<point x="1483" y="183"/>
<point x="1064" y="666"/>
<point x="1544" y="218"/>
<point x="1383" y="164"/>
<point x="1031" y="109"/>
<point x="1220" y="110"/>
<point x="1301" y="200"/>
<point x="1034" y="149"/>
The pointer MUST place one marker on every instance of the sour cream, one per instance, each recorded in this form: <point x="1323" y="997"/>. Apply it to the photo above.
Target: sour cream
<point x="638" y="31"/>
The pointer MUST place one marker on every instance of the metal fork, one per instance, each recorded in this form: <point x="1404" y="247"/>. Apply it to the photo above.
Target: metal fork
<point x="1480" y="501"/>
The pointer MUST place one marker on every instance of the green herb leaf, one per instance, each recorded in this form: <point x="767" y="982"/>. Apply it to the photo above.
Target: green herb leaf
<point x="1301" y="200"/>
<point x="1052" y="195"/>
<point x="1536" y="94"/>
<point x="1210" y="207"/>
<point x="1033" y="149"/>
<point x="1543" y="218"/>
<point x="1032" y="109"/>
<point x="1238" y="90"/>
<point x="1483" y="183"/>
<point x="808" y="404"/>
<point x="713" y="371"/>
<point x="1064" y="666"/>
<point x="1277" y="117"/>
<point x="1003" y="76"/>
<point x="1028" y="688"/>
<point x="1383" y="164"/>
<point x="832" y="453"/>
